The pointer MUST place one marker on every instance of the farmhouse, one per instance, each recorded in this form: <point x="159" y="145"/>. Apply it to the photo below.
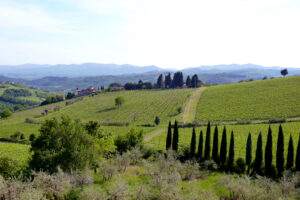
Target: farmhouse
<point x="85" y="91"/>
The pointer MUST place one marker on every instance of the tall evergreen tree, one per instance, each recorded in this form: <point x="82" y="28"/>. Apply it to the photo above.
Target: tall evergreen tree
<point x="223" y="150"/>
<point x="195" y="81"/>
<point x="175" y="137"/>
<point x="280" y="152"/>
<point x="193" y="143"/>
<point x="290" y="156"/>
<point x="231" y="152"/>
<point x="168" y="81"/>
<point x="207" y="143"/>
<point x="188" y="82"/>
<point x="258" y="156"/>
<point x="249" y="152"/>
<point x="200" y="145"/>
<point x="215" y="150"/>
<point x="298" y="156"/>
<point x="268" y="153"/>
<point x="177" y="80"/>
<point x="169" y="137"/>
<point x="160" y="81"/>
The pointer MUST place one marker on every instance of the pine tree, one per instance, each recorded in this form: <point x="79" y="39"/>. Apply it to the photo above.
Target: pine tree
<point x="193" y="143"/>
<point x="223" y="150"/>
<point x="268" y="153"/>
<point x="298" y="156"/>
<point x="207" y="143"/>
<point x="160" y="81"/>
<point x="231" y="152"/>
<point x="215" y="150"/>
<point x="258" y="156"/>
<point x="188" y="82"/>
<point x="280" y="152"/>
<point x="200" y="145"/>
<point x="175" y="137"/>
<point x="169" y="137"/>
<point x="290" y="156"/>
<point x="249" y="152"/>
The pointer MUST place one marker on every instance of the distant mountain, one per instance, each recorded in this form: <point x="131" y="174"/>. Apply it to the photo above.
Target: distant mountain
<point x="33" y="71"/>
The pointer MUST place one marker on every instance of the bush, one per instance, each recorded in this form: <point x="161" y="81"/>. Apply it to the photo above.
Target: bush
<point x="240" y="166"/>
<point x="130" y="140"/>
<point x="8" y="167"/>
<point x="5" y="113"/>
<point x="119" y="101"/>
<point x="179" y="109"/>
<point x="209" y="164"/>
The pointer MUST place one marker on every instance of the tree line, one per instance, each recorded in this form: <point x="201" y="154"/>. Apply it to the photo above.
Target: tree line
<point x="226" y="159"/>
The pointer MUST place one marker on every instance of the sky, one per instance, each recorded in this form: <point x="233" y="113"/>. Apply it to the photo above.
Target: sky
<point x="165" y="33"/>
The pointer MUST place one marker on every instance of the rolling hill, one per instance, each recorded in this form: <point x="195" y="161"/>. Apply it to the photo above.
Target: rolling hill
<point x="267" y="99"/>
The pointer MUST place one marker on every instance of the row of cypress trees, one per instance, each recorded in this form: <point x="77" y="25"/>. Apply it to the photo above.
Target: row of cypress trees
<point x="269" y="169"/>
<point x="221" y="157"/>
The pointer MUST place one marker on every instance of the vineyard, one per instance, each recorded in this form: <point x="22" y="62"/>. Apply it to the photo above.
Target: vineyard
<point x="140" y="109"/>
<point x="267" y="99"/>
<point x="17" y="152"/>
<point x="240" y="136"/>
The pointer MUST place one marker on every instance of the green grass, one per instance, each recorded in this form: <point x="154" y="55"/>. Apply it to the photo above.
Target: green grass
<point x="17" y="152"/>
<point x="267" y="99"/>
<point x="240" y="137"/>
<point x="141" y="105"/>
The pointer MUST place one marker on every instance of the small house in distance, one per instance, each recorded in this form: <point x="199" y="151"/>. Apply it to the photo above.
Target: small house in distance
<point x="85" y="91"/>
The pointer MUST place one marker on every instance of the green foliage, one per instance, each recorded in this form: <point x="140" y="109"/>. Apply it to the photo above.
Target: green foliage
<point x="290" y="156"/>
<point x="268" y="153"/>
<point x="66" y="144"/>
<point x="175" y="137"/>
<point x="179" y="110"/>
<point x="31" y="137"/>
<point x="251" y="100"/>
<point x="200" y="146"/>
<point x="17" y="93"/>
<point x="215" y="150"/>
<point x="130" y="140"/>
<point x="223" y="149"/>
<point x="157" y="121"/>
<point x="249" y="151"/>
<point x="231" y="152"/>
<point x="280" y="151"/>
<point x="240" y="166"/>
<point x="8" y="167"/>
<point x="5" y="113"/>
<point x="193" y="143"/>
<point x="119" y="101"/>
<point x="169" y="137"/>
<point x="53" y="99"/>
<point x="207" y="143"/>
<point x="257" y="165"/>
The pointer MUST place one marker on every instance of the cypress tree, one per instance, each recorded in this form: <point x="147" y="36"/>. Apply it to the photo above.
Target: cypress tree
<point x="231" y="152"/>
<point x="290" y="156"/>
<point x="298" y="156"/>
<point x="193" y="143"/>
<point x="200" y="145"/>
<point x="160" y="81"/>
<point x="258" y="156"/>
<point x="249" y="152"/>
<point x="223" y="150"/>
<point x="280" y="151"/>
<point x="207" y="143"/>
<point x="188" y="82"/>
<point x="268" y="153"/>
<point x="169" y="137"/>
<point x="215" y="150"/>
<point x="175" y="137"/>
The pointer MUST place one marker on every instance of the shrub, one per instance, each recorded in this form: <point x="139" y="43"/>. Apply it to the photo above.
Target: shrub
<point x="240" y="166"/>
<point x="130" y="140"/>
<point x="8" y="167"/>
<point x="119" y="101"/>
<point x="93" y="194"/>
<point x="119" y="190"/>
<point x="179" y="110"/>
<point x="5" y="113"/>
<point x="107" y="170"/>
<point x="122" y="162"/>
<point x="209" y="164"/>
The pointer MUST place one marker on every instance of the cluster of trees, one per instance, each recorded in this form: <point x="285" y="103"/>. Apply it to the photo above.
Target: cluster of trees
<point x="138" y="86"/>
<point x="53" y="99"/>
<point x="220" y="156"/>
<point x="5" y="113"/>
<point x="178" y="81"/>
<point x="16" y="93"/>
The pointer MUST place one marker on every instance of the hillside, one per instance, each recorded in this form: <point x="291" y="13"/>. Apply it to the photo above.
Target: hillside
<point x="12" y="94"/>
<point x="267" y="99"/>
<point x="139" y="110"/>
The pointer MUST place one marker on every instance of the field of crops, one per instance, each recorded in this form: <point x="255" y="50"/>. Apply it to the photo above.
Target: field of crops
<point x="267" y="99"/>
<point x="17" y="152"/>
<point x="240" y="136"/>
<point x="140" y="108"/>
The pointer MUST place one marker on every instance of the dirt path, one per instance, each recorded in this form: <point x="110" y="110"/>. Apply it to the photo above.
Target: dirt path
<point x="156" y="133"/>
<point x="191" y="107"/>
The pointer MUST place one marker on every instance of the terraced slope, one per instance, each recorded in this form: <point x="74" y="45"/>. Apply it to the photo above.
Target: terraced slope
<point x="267" y="99"/>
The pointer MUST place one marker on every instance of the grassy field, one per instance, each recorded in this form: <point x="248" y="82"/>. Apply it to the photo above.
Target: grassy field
<point x="17" y="152"/>
<point x="240" y="136"/>
<point x="267" y="99"/>
<point x="140" y="108"/>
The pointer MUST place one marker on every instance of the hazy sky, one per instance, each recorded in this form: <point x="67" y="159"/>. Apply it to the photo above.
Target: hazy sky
<point x="166" y="33"/>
